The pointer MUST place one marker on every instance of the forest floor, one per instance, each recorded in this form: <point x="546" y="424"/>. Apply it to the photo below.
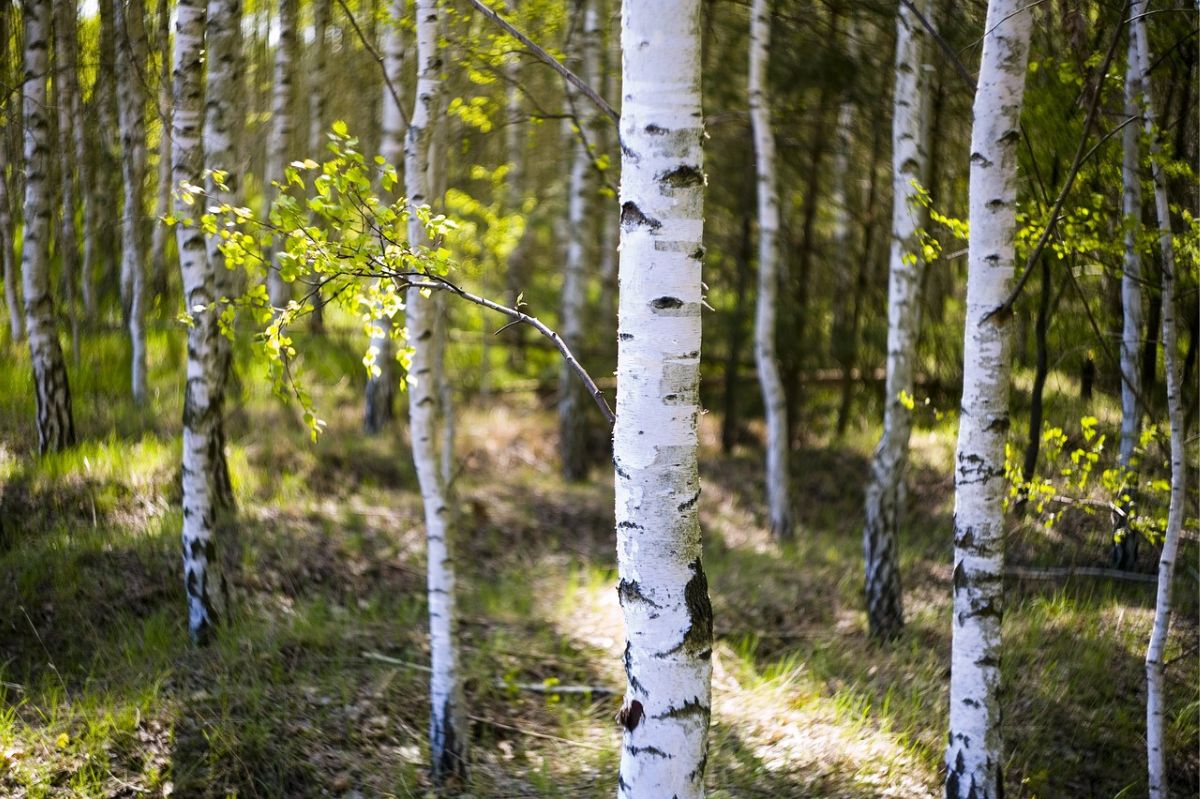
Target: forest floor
<point x="316" y="685"/>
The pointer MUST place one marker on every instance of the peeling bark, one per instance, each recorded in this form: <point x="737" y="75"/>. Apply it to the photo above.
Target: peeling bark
<point x="669" y="628"/>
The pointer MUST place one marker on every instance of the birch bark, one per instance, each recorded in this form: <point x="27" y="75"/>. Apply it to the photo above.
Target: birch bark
<point x="1125" y="543"/>
<point x="201" y="406"/>
<point x="66" y="101"/>
<point x="381" y="389"/>
<point x="974" y="753"/>
<point x="447" y="732"/>
<point x="222" y="118"/>
<point x="131" y="43"/>
<point x="1156" y="750"/>
<point x="779" y="501"/>
<point x="280" y="134"/>
<point x="663" y="588"/>
<point x="55" y="424"/>
<point x="317" y="101"/>
<point x="572" y="400"/>
<point x="885" y="492"/>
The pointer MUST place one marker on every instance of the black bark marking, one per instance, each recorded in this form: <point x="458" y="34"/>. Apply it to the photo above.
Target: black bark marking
<point x="689" y="503"/>
<point x="655" y="130"/>
<point x="665" y="303"/>
<point x="631" y="715"/>
<point x="627" y="660"/>
<point x="683" y="177"/>
<point x="648" y="750"/>
<point x="690" y="709"/>
<point x="632" y="591"/>
<point x="632" y="216"/>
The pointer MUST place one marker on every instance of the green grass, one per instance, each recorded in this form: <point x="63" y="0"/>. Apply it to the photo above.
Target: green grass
<point x="100" y="690"/>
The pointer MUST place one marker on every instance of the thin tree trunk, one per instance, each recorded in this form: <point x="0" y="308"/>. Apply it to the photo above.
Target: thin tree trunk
<point x="730" y="425"/>
<point x="663" y="589"/>
<point x="201" y="409"/>
<point x="1041" y="370"/>
<point x="447" y="732"/>
<point x="381" y="387"/>
<point x="572" y="400"/>
<point x="162" y="203"/>
<point x="280" y="136"/>
<point x="885" y="492"/>
<point x="974" y="752"/>
<point x="222" y="119"/>
<point x="8" y="254"/>
<point x="1156" y="747"/>
<point x="1125" y="541"/>
<point x="130" y="22"/>
<point x="778" y="443"/>
<point x="55" y="424"/>
<point x="317" y="90"/>
<point x="66" y="100"/>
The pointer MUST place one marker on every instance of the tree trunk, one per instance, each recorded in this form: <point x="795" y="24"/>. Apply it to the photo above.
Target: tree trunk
<point x="447" y="732"/>
<point x="572" y="399"/>
<point x="201" y="408"/>
<point x="222" y="119"/>
<point x="280" y="136"/>
<point x="130" y="21"/>
<point x="730" y="423"/>
<point x="1041" y="370"/>
<point x="778" y="443"/>
<point x="845" y="310"/>
<point x="381" y="388"/>
<point x="8" y="254"/>
<point x="55" y="424"/>
<point x="66" y="101"/>
<point x="316" y="122"/>
<point x="974" y="752"/>
<point x="1156" y="750"/>
<point x="885" y="492"/>
<point x="162" y="202"/>
<point x="663" y="589"/>
<point x="1125" y="541"/>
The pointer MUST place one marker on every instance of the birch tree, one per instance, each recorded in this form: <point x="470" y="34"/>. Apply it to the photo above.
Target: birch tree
<point x="663" y="588"/>
<point x="222" y="119"/>
<point x="201" y="406"/>
<point x="1155" y="665"/>
<point x="581" y="126"/>
<point x="131" y="46"/>
<point x="447" y="732"/>
<point x="885" y="492"/>
<point x="55" y="423"/>
<point x="66" y="101"/>
<point x="974" y="751"/>
<point x="280" y="133"/>
<point x="381" y="387"/>
<point x="779" y="501"/>
<point x="317" y="102"/>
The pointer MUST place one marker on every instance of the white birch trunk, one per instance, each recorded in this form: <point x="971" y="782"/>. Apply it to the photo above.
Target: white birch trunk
<point x="201" y="407"/>
<point x="572" y="399"/>
<point x="447" y="732"/>
<point x="130" y="22"/>
<point x="885" y="492"/>
<point x="222" y="119"/>
<point x="317" y="101"/>
<point x="280" y="134"/>
<point x="1156" y="747"/>
<point x="381" y="390"/>
<point x="974" y="751"/>
<point x="8" y="255"/>
<point x="55" y="424"/>
<point x="162" y="202"/>
<point x="663" y="589"/>
<point x="1125" y="544"/>
<point x="66" y="101"/>
<point x="779" y="500"/>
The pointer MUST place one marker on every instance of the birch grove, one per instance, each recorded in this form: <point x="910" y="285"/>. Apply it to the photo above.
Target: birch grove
<point x="779" y="497"/>
<point x="885" y="493"/>
<point x="279" y="137"/>
<point x="974" y="753"/>
<point x="663" y="588"/>
<point x="447" y="731"/>
<point x="55" y="422"/>
<point x="1155" y="652"/>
